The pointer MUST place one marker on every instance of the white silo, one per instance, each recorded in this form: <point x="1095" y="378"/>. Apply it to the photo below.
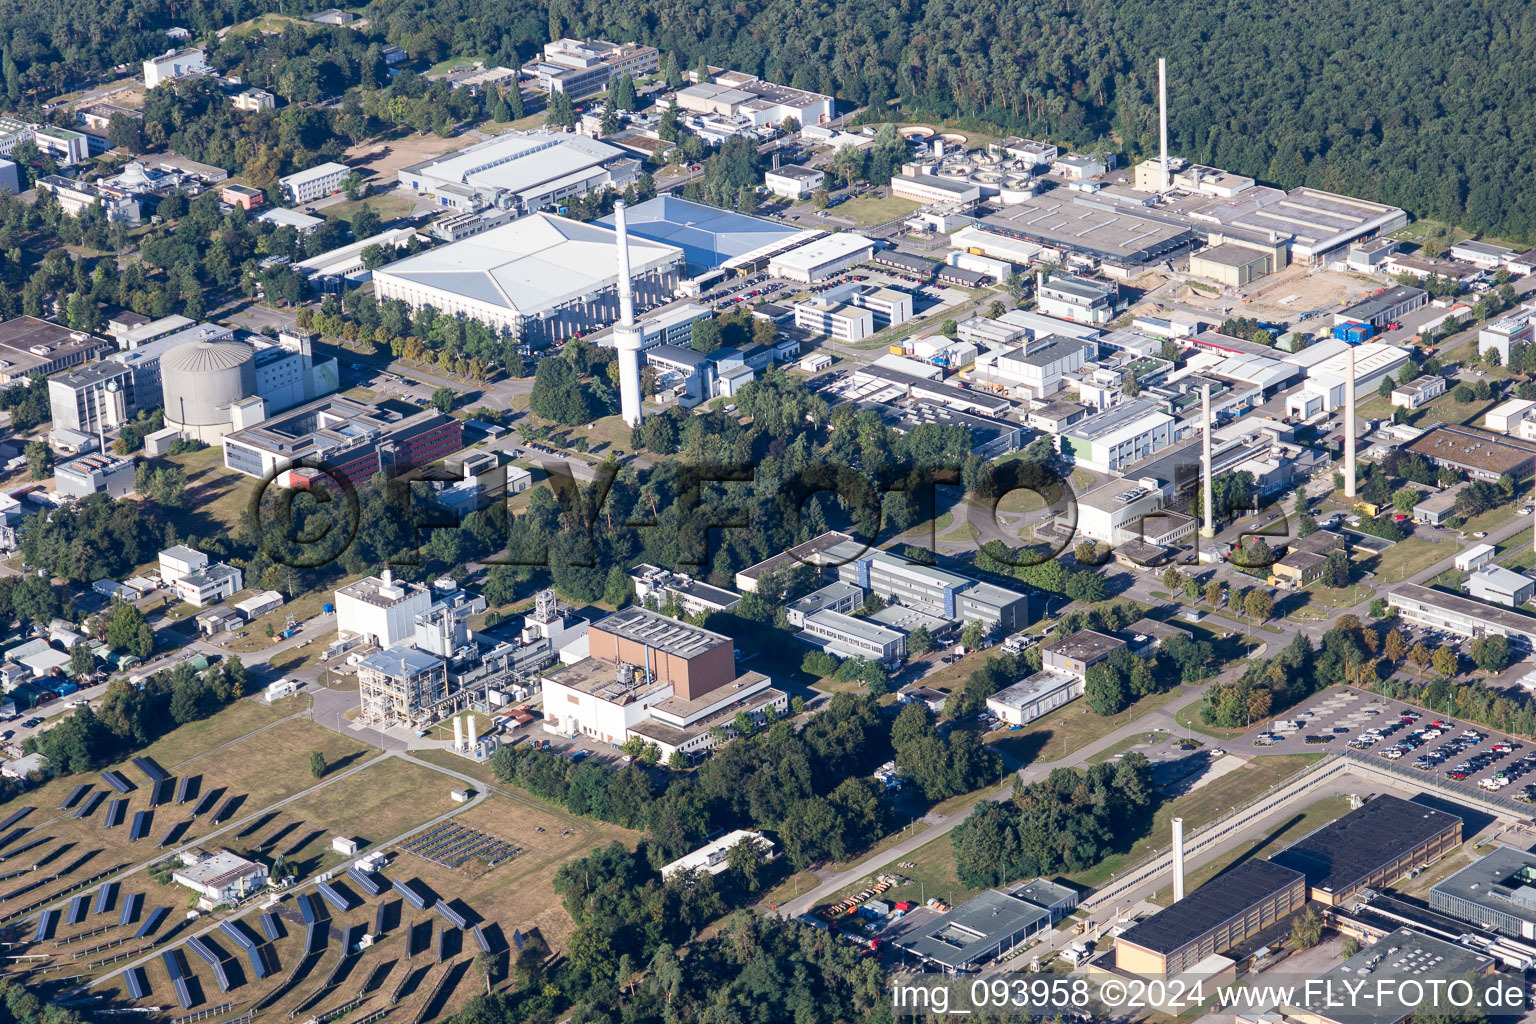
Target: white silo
<point x="627" y="338"/>
<point x="202" y="381"/>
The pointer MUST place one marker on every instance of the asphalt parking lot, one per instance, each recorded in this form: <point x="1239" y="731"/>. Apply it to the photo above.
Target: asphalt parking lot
<point x="1431" y="744"/>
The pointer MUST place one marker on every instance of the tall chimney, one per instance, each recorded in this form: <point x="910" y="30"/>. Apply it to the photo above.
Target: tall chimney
<point x="1178" y="859"/>
<point x="458" y="733"/>
<point x="1349" y="424"/>
<point x="627" y="337"/>
<point x="1206" y="487"/>
<point x="1162" y="119"/>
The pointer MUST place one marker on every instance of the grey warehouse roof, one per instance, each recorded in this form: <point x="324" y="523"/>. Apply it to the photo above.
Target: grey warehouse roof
<point x="529" y="265"/>
<point x="1341" y="853"/>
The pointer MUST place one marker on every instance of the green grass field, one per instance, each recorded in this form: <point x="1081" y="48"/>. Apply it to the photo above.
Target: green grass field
<point x="1199" y="807"/>
<point x="867" y="211"/>
<point x="1071" y="728"/>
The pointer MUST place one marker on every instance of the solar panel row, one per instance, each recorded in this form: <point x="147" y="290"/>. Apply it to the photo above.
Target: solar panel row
<point x="131" y="907"/>
<point x="152" y="922"/>
<point x="118" y="781"/>
<point x="142" y="820"/>
<point x="105" y="897"/>
<point x="15" y="816"/>
<point x="77" y="910"/>
<point x="152" y="770"/>
<point x="46" y="921"/>
<point x="74" y="796"/>
<point x="270" y="927"/>
<point x="116" y="811"/>
<point x="138" y="986"/>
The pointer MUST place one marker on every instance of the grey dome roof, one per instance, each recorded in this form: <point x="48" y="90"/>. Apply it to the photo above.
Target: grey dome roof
<point x="207" y="356"/>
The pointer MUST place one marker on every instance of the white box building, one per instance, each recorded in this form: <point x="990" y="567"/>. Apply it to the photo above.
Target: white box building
<point x="303" y="186"/>
<point x="825" y="257"/>
<point x="1040" y="694"/>
<point x="175" y="64"/>
<point x="835" y="320"/>
<point x="381" y="609"/>
<point x="1475" y="557"/>
<point x="220" y="877"/>
<point x="179" y="561"/>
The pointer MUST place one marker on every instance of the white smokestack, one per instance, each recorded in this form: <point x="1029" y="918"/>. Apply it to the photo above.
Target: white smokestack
<point x="1162" y="119"/>
<point x="458" y="734"/>
<point x="626" y="336"/>
<point x="1209" y="529"/>
<point x="1178" y="859"/>
<point x="474" y="739"/>
<point x="1349" y="425"/>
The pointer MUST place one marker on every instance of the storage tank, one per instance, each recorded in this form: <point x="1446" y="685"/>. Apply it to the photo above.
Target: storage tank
<point x="201" y="381"/>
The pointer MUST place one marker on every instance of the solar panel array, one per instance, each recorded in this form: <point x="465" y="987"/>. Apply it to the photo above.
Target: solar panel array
<point x="452" y="845"/>
<point x="316" y="935"/>
<point x="24" y="847"/>
<point x="78" y="907"/>
<point x="226" y="810"/>
<point x="13" y="835"/>
<point x="16" y="816"/>
<point x="480" y="939"/>
<point x="333" y="897"/>
<point x="214" y="956"/>
<point x="182" y="785"/>
<point x="442" y="943"/>
<point x="206" y="803"/>
<point x="152" y="922"/>
<point x="350" y="938"/>
<point x="74" y="796"/>
<point x="270" y="926"/>
<point x="517" y="938"/>
<point x="237" y="934"/>
<point x="452" y="916"/>
<point x="46" y="921"/>
<point x="365" y="881"/>
<point x="413" y="894"/>
<point x="307" y="909"/>
<point x="141" y="822"/>
<point x="117" y="810"/>
<point x="258" y="962"/>
<point x="118" y="781"/>
<point x="86" y="809"/>
<point x="138" y="985"/>
<point x="175" y="966"/>
<point x="380" y="917"/>
<point x="170" y="833"/>
<point x="152" y="771"/>
<point x="160" y="792"/>
<point x="131" y="907"/>
<point x="105" y="897"/>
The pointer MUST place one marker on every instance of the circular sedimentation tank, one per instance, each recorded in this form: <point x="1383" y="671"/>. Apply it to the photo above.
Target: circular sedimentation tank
<point x="916" y="131"/>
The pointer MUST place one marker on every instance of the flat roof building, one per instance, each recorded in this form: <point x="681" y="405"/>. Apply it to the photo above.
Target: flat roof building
<point x="977" y="932"/>
<point x="1408" y="972"/>
<point x="1232" y="264"/>
<point x="31" y="345"/>
<point x="823" y="258"/>
<point x="380" y="609"/>
<point x="1221" y="914"/>
<point x="541" y="277"/>
<point x="1035" y="696"/>
<point x="710" y="237"/>
<point x="848" y="637"/>
<point x="1499" y="585"/>
<point x="1066" y="223"/>
<point x="96" y="473"/>
<point x="1440" y="610"/>
<point x="522" y="171"/>
<point x="1384" y="307"/>
<point x="1479" y="454"/>
<point x="1117" y="437"/>
<point x="1497" y="892"/>
<point x="313" y="183"/>
<point x="713" y="857"/>
<point x="1077" y="653"/>
<point x="1370" y="847"/>
<point x="92" y="398"/>
<point x="936" y="591"/>
<point x="814" y="554"/>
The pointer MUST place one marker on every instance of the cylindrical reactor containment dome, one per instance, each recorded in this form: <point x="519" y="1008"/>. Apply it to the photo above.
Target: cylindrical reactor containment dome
<point x="201" y="380"/>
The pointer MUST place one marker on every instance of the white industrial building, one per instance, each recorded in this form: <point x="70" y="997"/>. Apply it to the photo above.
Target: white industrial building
<point x="330" y="271"/>
<point x="96" y="473"/>
<point x="303" y="186"/>
<point x="1038" y="695"/>
<point x="1516" y="328"/>
<point x="142" y="359"/>
<point x="381" y="609"/>
<point x="1035" y="369"/>
<point x="1118" y="437"/>
<point x="212" y="387"/>
<point x="1081" y="299"/>
<point x="220" y="877"/>
<point x="1113" y="511"/>
<point x="834" y="319"/>
<point x="794" y="181"/>
<point x="1475" y="557"/>
<point x="1516" y="416"/>
<point x="714" y="857"/>
<point x="521" y="171"/>
<point x="1324" y="387"/>
<point x="930" y="188"/>
<point x="210" y="584"/>
<point x="93" y="398"/>
<point x="175" y="64"/>
<point x="1419" y="391"/>
<point x="541" y="278"/>
<point x="179" y="561"/>
<point x="1498" y="585"/>
<point x="737" y="97"/>
<point x="825" y="257"/>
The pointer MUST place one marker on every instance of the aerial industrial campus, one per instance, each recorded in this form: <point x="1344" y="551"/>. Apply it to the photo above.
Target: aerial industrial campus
<point x="538" y="532"/>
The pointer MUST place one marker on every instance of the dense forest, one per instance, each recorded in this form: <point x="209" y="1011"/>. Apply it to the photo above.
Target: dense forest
<point x="1424" y="105"/>
<point x="1419" y="104"/>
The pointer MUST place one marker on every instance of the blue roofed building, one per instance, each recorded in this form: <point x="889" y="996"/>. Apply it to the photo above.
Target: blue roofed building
<point x="710" y="237"/>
